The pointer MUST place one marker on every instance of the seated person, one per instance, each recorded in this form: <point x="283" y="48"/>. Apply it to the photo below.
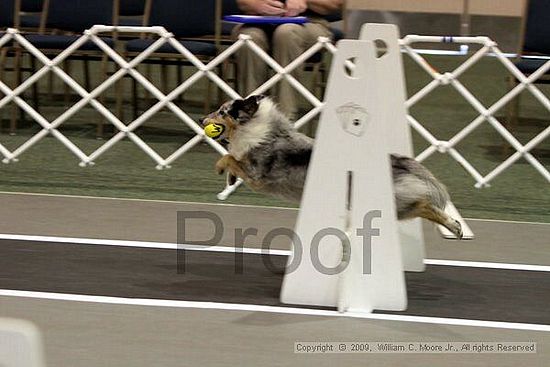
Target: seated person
<point x="284" y="42"/>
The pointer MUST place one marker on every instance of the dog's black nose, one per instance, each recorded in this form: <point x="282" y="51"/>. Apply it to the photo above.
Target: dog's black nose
<point x="202" y="120"/>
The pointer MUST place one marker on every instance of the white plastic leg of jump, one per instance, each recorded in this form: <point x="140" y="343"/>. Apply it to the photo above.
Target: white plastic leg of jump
<point x="410" y="232"/>
<point x="229" y="189"/>
<point x="401" y="143"/>
<point x="20" y="344"/>
<point x="348" y="194"/>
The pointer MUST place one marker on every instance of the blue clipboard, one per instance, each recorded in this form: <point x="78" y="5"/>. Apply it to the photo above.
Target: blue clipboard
<point x="260" y="19"/>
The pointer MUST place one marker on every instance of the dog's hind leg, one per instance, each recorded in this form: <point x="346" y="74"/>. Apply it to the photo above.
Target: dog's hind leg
<point x="426" y="210"/>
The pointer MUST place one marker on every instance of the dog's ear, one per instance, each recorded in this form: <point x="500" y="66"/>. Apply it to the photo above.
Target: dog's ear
<point x="243" y="110"/>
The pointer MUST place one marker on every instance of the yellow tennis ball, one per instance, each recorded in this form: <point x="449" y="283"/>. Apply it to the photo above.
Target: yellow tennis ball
<point x="214" y="130"/>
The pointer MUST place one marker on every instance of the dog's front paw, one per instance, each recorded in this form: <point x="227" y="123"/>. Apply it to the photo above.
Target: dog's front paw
<point x="220" y="169"/>
<point x="221" y="165"/>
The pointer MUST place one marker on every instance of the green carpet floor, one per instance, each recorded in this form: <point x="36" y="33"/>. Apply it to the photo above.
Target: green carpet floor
<point x="520" y="193"/>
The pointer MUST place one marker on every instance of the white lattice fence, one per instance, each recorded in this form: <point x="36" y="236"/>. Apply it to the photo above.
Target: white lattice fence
<point x="485" y="113"/>
<point x="208" y="70"/>
<point x="129" y="68"/>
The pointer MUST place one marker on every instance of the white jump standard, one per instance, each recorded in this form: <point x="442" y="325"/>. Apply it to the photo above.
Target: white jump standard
<point x="349" y="245"/>
<point x="343" y="201"/>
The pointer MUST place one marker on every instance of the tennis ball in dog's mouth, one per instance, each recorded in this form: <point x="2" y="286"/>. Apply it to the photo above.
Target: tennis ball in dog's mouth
<point x="214" y="130"/>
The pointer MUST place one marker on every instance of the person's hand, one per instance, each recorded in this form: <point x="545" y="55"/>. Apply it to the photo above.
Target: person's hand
<point x="295" y="7"/>
<point x="269" y="7"/>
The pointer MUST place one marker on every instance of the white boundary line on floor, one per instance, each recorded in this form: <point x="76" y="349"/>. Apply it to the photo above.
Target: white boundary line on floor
<point x="487" y="265"/>
<point x="270" y="309"/>
<point x="248" y="250"/>
<point x="506" y="221"/>
<point x="145" y="200"/>
<point x="218" y="204"/>
<point x="141" y="244"/>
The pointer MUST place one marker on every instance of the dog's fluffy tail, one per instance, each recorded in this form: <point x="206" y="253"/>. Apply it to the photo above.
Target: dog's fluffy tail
<point x="417" y="182"/>
<point x="438" y="194"/>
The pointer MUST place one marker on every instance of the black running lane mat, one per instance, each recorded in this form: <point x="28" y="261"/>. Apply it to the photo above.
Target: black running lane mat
<point x="441" y="291"/>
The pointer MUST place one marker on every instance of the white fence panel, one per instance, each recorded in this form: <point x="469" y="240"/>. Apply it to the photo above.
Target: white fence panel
<point x="280" y="72"/>
<point x="485" y="114"/>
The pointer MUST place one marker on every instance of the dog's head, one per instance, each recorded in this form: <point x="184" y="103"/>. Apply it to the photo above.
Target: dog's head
<point x="234" y="114"/>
